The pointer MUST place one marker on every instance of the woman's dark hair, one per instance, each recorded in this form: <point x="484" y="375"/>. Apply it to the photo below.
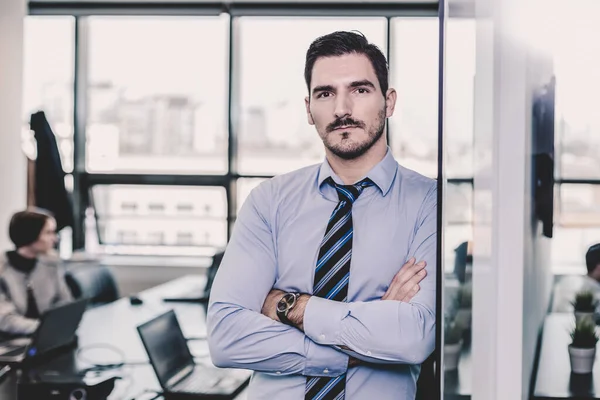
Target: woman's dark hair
<point x="25" y="226"/>
<point x="341" y="43"/>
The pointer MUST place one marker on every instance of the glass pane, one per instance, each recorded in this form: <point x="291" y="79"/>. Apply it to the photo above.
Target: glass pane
<point x="579" y="205"/>
<point x="458" y="206"/>
<point x="274" y="135"/>
<point x="414" y="74"/>
<point x="48" y="81"/>
<point x="459" y="77"/>
<point x="459" y="203"/>
<point x="459" y="93"/>
<point x="569" y="245"/>
<point x="157" y="95"/>
<point x="244" y="187"/>
<point x="161" y="215"/>
<point x="577" y="83"/>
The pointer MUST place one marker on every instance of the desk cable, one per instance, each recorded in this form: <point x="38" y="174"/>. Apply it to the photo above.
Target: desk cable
<point x="99" y="367"/>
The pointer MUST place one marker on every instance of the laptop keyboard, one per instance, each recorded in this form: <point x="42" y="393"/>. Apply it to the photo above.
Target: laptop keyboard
<point x="14" y="351"/>
<point x="200" y="381"/>
<point x="13" y="347"/>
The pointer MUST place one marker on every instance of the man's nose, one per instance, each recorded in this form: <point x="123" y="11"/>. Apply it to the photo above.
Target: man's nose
<point x="343" y="106"/>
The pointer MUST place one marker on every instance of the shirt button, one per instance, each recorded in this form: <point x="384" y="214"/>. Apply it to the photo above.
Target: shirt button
<point x="278" y="372"/>
<point x="322" y="337"/>
<point x="368" y="353"/>
<point x="325" y="371"/>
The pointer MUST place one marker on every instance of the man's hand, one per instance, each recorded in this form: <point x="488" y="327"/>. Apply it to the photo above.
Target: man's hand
<point x="270" y="307"/>
<point x="354" y="362"/>
<point x="405" y="284"/>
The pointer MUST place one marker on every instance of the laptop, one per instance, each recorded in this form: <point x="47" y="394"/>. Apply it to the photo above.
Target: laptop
<point x="56" y="330"/>
<point x="198" y="294"/>
<point x="178" y="375"/>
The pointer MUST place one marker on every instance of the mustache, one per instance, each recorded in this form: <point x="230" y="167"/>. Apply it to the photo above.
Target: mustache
<point x="348" y="121"/>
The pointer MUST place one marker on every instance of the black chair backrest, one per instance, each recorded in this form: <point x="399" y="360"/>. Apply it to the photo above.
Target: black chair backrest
<point x="95" y="282"/>
<point x="212" y="272"/>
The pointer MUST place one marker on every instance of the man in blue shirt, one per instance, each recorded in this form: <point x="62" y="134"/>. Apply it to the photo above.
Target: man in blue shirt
<point x="319" y="291"/>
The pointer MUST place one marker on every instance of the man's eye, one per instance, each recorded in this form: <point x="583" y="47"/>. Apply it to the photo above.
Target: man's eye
<point x="323" y="94"/>
<point x="362" y="90"/>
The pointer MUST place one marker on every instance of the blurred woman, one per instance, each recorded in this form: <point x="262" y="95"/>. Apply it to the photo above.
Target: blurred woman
<point x="31" y="278"/>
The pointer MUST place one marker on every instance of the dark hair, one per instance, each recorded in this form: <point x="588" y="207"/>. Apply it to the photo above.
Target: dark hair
<point x="341" y="43"/>
<point x="25" y="226"/>
<point x="592" y="257"/>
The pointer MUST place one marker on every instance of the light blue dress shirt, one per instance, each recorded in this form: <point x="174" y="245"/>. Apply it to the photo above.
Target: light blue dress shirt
<point x="275" y="244"/>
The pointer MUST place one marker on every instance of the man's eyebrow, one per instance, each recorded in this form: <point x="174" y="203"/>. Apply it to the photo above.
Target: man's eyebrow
<point x="364" y="82"/>
<point x="323" y="88"/>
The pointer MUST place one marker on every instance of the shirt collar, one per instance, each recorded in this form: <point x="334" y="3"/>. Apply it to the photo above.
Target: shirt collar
<point x="382" y="174"/>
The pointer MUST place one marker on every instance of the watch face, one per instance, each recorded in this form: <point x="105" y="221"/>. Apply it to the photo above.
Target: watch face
<point x="286" y="303"/>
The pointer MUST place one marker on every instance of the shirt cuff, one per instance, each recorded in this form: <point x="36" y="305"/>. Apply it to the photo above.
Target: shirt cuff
<point x="324" y="360"/>
<point x="323" y="320"/>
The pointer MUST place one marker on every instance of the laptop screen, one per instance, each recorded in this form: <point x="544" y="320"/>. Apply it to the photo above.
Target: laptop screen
<point x="166" y="346"/>
<point x="48" y="337"/>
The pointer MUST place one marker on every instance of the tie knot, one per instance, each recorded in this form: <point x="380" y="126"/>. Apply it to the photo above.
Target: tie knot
<point x="350" y="192"/>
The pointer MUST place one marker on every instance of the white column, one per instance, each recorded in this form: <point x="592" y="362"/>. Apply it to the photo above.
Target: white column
<point x="510" y="276"/>
<point x="13" y="176"/>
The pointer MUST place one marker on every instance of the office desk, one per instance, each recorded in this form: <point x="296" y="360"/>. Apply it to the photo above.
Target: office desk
<point x="114" y="326"/>
<point x="554" y="378"/>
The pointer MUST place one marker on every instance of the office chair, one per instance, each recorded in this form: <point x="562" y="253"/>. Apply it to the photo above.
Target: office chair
<point x="95" y="282"/>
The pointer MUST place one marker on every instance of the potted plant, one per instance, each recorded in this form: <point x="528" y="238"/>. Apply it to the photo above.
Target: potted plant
<point x="464" y="305"/>
<point x="584" y="305"/>
<point x="452" y="345"/>
<point x="582" y="350"/>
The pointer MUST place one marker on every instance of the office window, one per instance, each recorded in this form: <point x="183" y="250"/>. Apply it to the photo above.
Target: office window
<point x="185" y="238"/>
<point x="577" y="136"/>
<point x="460" y="92"/>
<point x="274" y="135"/>
<point x="576" y="226"/>
<point x="156" y="238"/>
<point x="129" y="207"/>
<point x="579" y="205"/>
<point x="127" y="237"/>
<point x="244" y="187"/>
<point x="156" y="220"/>
<point x="157" y="95"/>
<point x="48" y="81"/>
<point x="186" y="208"/>
<point x="156" y="208"/>
<point x="414" y="73"/>
<point x="458" y="208"/>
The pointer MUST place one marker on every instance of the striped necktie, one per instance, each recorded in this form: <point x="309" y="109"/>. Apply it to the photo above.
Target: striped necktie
<point x="333" y="274"/>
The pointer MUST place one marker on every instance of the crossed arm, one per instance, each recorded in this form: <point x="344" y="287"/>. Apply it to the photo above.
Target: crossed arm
<point x="390" y="330"/>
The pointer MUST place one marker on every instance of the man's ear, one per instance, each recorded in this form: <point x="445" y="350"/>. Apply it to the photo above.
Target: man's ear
<point x="390" y="102"/>
<point x="308" y="114"/>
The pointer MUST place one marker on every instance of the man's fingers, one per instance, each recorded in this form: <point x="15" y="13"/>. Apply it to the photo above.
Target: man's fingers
<point x="403" y="283"/>
<point x="411" y="293"/>
<point x="398" y="279"/>
<point x="407" y="271"/>
<point x="409" y="287"/>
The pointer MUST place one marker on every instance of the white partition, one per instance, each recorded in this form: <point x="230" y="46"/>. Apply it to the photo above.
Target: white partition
<point x="511" y="272"/>
<point x="12" y="161"/>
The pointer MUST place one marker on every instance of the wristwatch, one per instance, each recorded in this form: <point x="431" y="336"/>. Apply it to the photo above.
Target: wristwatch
<point x="285" y="305"/>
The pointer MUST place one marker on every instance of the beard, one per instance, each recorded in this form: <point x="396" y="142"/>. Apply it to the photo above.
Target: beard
<point x="355" y="149"/>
